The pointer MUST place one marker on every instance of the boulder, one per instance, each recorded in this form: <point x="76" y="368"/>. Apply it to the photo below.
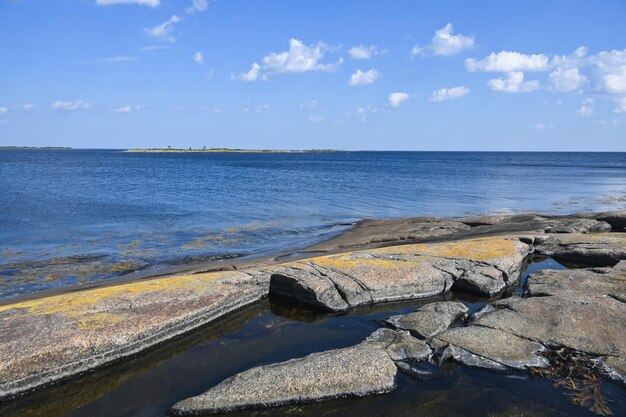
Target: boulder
<point x="617" y="219"/>
<point x="339" y="282"/>
<point x="430" y="319"/>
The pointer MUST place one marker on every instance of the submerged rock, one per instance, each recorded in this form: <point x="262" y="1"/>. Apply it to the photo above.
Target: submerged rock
<point x="365" y="369"/>
<point x="340" y="282"/>
<point x="430" y="319"/>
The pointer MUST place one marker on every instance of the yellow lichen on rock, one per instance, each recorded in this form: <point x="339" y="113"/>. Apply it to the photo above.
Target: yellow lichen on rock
<point x="357" y="260"/>
<point x="85" y="302"/>
<point x="473" y="250"/>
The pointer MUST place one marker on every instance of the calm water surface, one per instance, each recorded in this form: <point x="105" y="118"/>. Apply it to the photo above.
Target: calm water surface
<point x="70" y="217"/>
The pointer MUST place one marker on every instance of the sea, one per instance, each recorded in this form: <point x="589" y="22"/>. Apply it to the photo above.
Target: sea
<point x="70" y="217"/>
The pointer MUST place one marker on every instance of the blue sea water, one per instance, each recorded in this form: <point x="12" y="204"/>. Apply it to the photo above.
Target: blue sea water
<point x="73" y="216"/>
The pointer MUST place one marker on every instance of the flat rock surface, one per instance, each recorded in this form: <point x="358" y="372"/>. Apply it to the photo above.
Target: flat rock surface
<point x="583" y="310"/>
<point x="430" y="319"/>
<point x="364" y="369"/>
<point x="491" y="348"/>
<point x="593" y="249"/>
<point x="338" y="282"/>
<point x="46" y="339"/>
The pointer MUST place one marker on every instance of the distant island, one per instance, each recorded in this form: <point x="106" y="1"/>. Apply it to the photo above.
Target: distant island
<point x="228" y="150"/>
<point x="43" y="148"/>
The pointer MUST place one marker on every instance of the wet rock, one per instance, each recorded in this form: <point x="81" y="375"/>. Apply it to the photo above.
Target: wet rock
<point x="430" y="319"/>
<point x="593" y="249"/>
<point x="615" y="368"/>
<point x="339" y="282"/>
<point x="484" y="347"/>
<point x="365" y="369"/>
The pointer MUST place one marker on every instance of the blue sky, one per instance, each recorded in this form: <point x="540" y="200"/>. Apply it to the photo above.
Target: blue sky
<point x="401" y="75"/>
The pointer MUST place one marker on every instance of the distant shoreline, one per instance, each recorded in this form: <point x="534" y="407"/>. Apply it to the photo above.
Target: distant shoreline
<point x="227" y="150"/>
<point x="43" y="148"/>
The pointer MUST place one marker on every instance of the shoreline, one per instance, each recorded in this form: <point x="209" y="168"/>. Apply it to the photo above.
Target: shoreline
<point x="228" y="150"/>
<point x="364" y="234"/>
<point x="59" y="335"/>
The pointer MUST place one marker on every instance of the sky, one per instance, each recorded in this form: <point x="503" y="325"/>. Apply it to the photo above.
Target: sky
<point x="283" y="74"/>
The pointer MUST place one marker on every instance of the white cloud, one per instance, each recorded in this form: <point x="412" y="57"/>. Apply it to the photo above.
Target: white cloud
<point x="566" y="80"/>
<point x="364" y="52"/>
<point x="4" y="110"/>
<point x="70" y="105"/>
<point x="615" y="82"/>
<point x="126" y="109"/>
<point x="120" y="59"/>
<point x="396" y="98"/>
<point x="360" y="78"/>
<point x="164" y="30"/>
<point x="507" y="61"/>
<point x="620" y="107"/>
<point x="513" y="83"/>
<point x="444" y="43"/>
<point x="25" y="107"/>
<point x="151" y="3"/>
<point x="197" y="6"/>
<point x="298" y="59"/>
<point x="364" y="112"/>
<point x="543" y="126"/>
<point x="586" y="108"/>
<point x="153" y="48"/>
<point x="198" y="58"/>
<point x="251" y="75"/>
<point x="210" y="74"/>
<point x="449" y="93"/>
<point x="315" y="119"/>
<point x="261" y="107"/>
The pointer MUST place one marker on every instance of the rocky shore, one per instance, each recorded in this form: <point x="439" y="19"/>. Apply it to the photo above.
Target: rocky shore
<point x="50" y="338"/>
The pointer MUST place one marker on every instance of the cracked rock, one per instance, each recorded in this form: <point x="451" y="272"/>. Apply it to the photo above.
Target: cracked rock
<point x="484" y="347"/>
<point x="430" y="319"/>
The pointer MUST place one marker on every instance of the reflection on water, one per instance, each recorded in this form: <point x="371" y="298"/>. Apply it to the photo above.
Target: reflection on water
<point x="142" y="213"/>
<point x="268" y="332"/>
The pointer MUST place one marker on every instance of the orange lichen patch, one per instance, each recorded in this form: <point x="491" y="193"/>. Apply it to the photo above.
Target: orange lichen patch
<point x="474" y="250"/>
<point x="78" y="303"/>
